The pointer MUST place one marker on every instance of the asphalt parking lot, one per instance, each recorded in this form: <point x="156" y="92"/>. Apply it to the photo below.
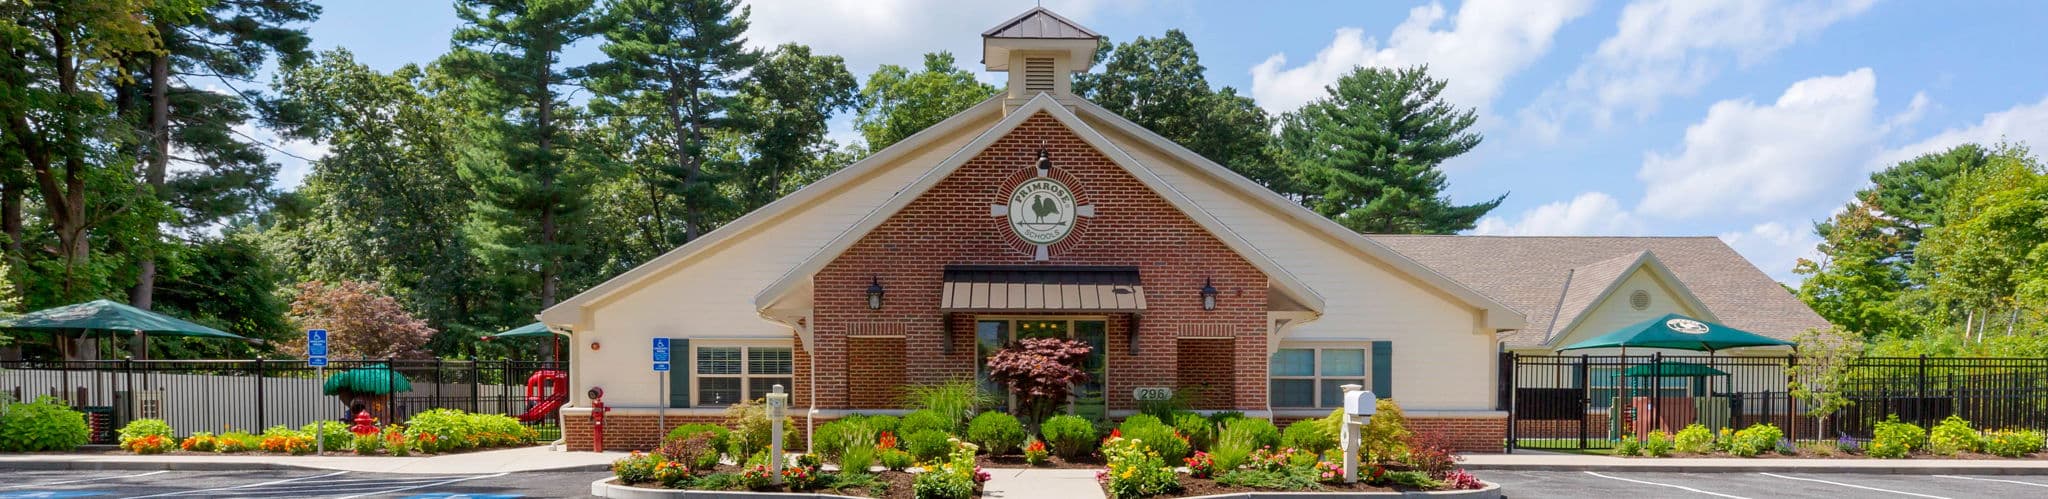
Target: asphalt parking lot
<point x="291" y="483"/>
<point x="1638" y="485"/>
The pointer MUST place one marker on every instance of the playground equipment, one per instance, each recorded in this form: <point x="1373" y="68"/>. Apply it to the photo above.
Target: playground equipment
<point x="546" y="391"/>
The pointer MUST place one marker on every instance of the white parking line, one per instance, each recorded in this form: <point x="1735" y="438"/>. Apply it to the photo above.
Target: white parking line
<point x="1994" y="480"/>
<point x="337" y="487"/>
<point x="85" y="480"/>
<point x="423" y="486"/>
<point x="273" y="482"/>
<point x="1679" y="487"/>
<point x="1851" y="485"/>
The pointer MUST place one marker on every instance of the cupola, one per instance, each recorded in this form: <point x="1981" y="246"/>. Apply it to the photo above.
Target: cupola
<point x="1041" y="51"/>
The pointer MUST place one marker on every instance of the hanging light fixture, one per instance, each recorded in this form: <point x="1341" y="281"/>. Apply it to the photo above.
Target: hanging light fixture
<point x="875" y="293"/>
<point x="1208" y="294"/>
<point x="1044" y="162"/>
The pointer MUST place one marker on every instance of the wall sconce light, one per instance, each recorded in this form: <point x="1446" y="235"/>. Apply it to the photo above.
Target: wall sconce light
<point x="1044" y="162"/>
<point x="594" y="345"/>
<point x="1208" y="294"/>
<point x="875" y="293"/>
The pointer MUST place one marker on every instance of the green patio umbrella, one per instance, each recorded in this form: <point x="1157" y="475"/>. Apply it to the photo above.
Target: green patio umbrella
<point x="534" y="330"/>
<point x="1678" y="332"/>
<point x="112" y="318"/>
<point x="1672" y="370"/>
<point x="376" y="379"/>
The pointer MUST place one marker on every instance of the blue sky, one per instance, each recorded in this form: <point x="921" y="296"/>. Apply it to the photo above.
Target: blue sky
<point x="1746" y="120"/>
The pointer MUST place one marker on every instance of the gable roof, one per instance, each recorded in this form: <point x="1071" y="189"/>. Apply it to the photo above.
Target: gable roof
<point x="1553" y="279"/>
<point x="570" y="311"/>
<point x="1499" y="314"/>
<point x="1040" y="23"/>
<point x="1043" y="103"/>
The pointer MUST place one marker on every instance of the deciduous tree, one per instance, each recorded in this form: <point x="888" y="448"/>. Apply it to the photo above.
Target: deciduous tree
<point x="897" y="103"/>
<point x="361" y="321"/>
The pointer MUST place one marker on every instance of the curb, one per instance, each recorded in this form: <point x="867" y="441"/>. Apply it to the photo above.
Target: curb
<point x="1491" y="491"/>
<point x="244" y="466"/>
<point x="1765" y="467"/>
<point x="604" y="487"/>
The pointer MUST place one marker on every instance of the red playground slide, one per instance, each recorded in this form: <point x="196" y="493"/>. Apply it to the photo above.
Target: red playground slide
<point x="546" y="391"/>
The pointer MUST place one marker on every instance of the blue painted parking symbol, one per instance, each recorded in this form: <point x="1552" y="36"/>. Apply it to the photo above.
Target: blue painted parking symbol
<point x="52" y="493"/>
<point x="444" y="495"/>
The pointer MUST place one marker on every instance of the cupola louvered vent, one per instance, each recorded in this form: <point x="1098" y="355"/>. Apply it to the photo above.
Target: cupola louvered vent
<point x="1038" y="74"/>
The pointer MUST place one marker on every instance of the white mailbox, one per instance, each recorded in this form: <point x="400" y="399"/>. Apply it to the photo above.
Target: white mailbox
<point x="1360" y="403"/>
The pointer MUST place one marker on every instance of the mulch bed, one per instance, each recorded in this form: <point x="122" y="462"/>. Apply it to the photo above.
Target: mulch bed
<point x="1810" y="454"/>
<point x="900" y="485"/>
<point x="1016" y="461"/>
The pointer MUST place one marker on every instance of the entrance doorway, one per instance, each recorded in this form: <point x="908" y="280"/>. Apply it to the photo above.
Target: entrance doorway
<point x="1090" y="399"/>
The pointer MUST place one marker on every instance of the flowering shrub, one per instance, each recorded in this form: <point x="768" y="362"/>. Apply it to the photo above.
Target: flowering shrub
<point x="1848" y="445"/>
<point x="2012" y="443"/>
<point x="695" y="451"/>
<point x="139" y="428"/>
<point x="1329" y="471"/>
<point x="1893" y="439"/>
<point x="671" y="474"/>
<point x="635" y="468"/>
<point x="1040" y="371"/>
<point x="288" y="444"/>
<point x="1200" y="465"/>
<point x="1035" y="453"/>
<point x="895" y="459"/>
<point x="1755" y="439"/>
<point x="237" y="442"/>
<point x="1431" y="453"/>
<point x="1136" y="470"/>
<point x="803" y="472"/>
<point x="1694" y="438"/>
<point x="757" y="477"/>
<point x="396" y="443"/>
<point x="198" y="442"/>
<point x="1171" y="445"/>
<point x="954" y="477"/>
<point x="367" y="444"/>
<point x="1954" y="435"/>
<point x="1461" y="479"/>
<point x="149" y="444"/>
<point x="886" y="441"/>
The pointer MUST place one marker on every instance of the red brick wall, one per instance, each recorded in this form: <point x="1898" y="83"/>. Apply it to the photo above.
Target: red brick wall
<point x="950" y="224"/>
<point x="877" y="369"/>
<point x="1467" y="434"/>
<point x="1210" y="364"/>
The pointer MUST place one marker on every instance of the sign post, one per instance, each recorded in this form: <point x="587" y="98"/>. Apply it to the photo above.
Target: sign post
<point x="778" y="404"/>
<point x="316" y="356"/>
<point x="661" y="373"/>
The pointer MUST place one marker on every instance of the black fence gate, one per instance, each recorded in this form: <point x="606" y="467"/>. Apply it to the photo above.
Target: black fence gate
<point x="251" y="395"/>
<point x="1591" y="401"/>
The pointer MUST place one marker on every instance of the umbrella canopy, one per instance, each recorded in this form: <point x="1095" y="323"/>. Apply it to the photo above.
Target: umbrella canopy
<point x="112" y="317"/>
<point x="375" y="379"/>
<point x="1672" y="370"/>
<point x="1678" y="332"/>
<point x="533" y="330"/>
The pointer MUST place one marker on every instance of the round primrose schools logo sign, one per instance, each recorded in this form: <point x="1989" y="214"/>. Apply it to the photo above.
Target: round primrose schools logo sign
<point x="1042" y="211"/>
<point x="1687" y="326"/>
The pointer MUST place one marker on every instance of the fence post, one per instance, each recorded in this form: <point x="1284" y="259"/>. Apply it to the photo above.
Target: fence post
<point x="1508" y="396"/>
<point x="1791" y="403"/>
<point x="1920" y="398"/>
<point x="390" y="390"/>
<point x="260" y="423"/>
<point x="475" y="391"/>
<point x="437" y="382"/>
<point x="128" y="368"/>
<point x="1585" y="396"/>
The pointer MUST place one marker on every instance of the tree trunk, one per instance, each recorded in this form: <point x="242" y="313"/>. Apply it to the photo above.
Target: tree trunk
<point x="144" y="292"/>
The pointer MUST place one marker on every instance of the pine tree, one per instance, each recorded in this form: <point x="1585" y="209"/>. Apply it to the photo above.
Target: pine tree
<point x="1368" y="154"/>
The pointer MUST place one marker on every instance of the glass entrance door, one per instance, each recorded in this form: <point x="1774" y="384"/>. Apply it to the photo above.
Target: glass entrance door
<point x="1089" y="399"/>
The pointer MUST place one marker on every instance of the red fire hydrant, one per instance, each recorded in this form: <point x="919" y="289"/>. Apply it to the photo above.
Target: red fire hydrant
<point x="597" y="410"/>
<point x="365" y="424"/>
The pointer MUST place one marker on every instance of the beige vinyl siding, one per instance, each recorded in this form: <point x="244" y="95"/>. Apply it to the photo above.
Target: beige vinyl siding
<point x="711" y="294"/>
<point x="1442" y="359"/>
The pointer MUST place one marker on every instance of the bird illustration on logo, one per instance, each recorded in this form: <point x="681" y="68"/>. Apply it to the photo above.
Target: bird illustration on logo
<point x="1044" y="206"/>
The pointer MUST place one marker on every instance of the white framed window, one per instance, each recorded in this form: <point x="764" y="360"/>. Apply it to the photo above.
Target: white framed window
<point x="1312" y="377"/>
<point x="725" y="372"/>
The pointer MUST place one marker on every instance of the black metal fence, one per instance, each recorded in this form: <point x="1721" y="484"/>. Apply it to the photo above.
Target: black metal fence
<point x="1591" y="401"/>
<point x="251" y="395"/>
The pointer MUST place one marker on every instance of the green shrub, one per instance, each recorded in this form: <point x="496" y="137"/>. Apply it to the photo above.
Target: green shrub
<point x="1200" y="432"/>
<point x="1133" y="472"/>
<point x="239" y="441"/>
<point x="926" y="445"/>
<point x="1070" y="436"/>
<point x="363" y="444"/>
<point x="882" y="423"/>
<point x="1657" y="444"/>
<point x="2013" y="443"/>
<point x="922" y="420"/>
<point x="954" y="401"/>
<point x="1385" y="437"/>
<point x="1309" y="435"/>
<point x="695" y="451"/>
<point x="637" y="468"/>
<point x="141" y="428"/>
<point x="830" y="439"/>
<point x="1221" y="417"/>
<point x="1628" y="446"/>
<point x="857" y="459"/>
<point x="1954" y="435"/>
<point x="1893" y="439"/>
<point x="204" y="442"/>
<point x="43" y="425"/>
<point x="997" y="433"/>
<point x="1695" y="439"/>
<point x="1234" y="445"/>
<point x="1282" y="479"/>
<point x="1755" y="439"/>
<point x="1260" y="430"/>
<point x="1136" y="420"/>
<point x="752" y="429"/>
<point x="895" y="459"/>
<point x="1158" y="437"/>
<point x="440" y="430"/>
<point x="720" y="435"/>
<point x="334" y="433"/>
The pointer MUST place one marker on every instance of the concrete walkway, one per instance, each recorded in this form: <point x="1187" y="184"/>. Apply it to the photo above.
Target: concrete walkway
<point x="1547" y="461"/>
<point x="536" y="458"/>
<point x="1022" y="483"/>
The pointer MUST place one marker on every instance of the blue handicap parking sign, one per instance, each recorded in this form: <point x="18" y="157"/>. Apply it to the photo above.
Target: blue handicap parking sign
<point x="316" y="347"/>
<point x="661" y="367"/>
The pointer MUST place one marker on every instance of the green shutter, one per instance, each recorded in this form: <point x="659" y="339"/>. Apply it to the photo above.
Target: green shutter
<point x="1383" y="369"/>
<point x="679" y="372"/>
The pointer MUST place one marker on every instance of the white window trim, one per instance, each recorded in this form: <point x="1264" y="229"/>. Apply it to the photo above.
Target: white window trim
<point x="1316" y="377"/>
<point x="745" y="377"/>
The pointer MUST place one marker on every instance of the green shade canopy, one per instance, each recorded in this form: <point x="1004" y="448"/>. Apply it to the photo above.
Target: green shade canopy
<point x="1672" y="370"/>
<point x="375" y="379"/>
<point x="533" y="330"/>
<point x="1679" y="332"/>
<point x="112" y="317"/>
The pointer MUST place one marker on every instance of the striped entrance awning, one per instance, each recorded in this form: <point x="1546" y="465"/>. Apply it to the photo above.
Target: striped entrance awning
<point x="1041" y="288"/>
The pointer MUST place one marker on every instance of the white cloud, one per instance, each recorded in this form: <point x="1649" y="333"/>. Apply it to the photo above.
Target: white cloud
<point x="1663" y="48"/>
<point x="1591" y="213"/>
<point x="1487" y="42"/>
<point x="1775" y="248"/>
<point x="1747" y="157"/>
<point x="869" y="33"/>
<point x="2025" y="123"/>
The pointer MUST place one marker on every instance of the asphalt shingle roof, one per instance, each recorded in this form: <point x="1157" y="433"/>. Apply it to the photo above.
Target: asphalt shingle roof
<point x="1530" y="274"/>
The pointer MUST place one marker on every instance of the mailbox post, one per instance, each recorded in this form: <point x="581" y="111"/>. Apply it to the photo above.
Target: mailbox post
<point x="778" y="404"/>
<point x="1359" y="405"/>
